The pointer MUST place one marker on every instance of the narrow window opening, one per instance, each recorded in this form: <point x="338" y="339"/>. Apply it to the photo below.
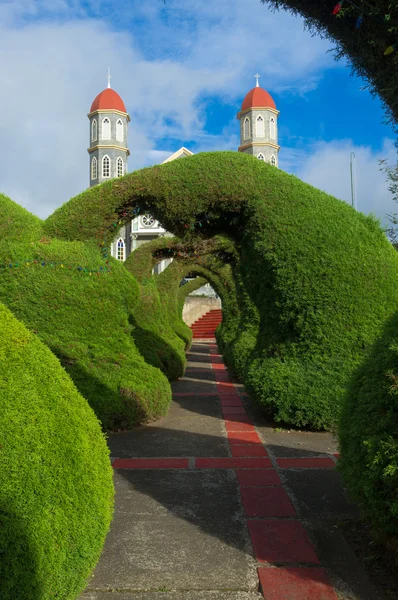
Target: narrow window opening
<point x="94" y="130"/>
<point x="273" y="161"/>
<point x="106" y="167"/>
<point x="260" y="127"/>
<point x="120" y="167"/>
<point x="119" y="130"/>
<point x="94" y="168"/>
<point x="120" y="249"/>
<point x="246" y="128"/>
<point x="272" y="128"/>
<point x="106" y="129"/>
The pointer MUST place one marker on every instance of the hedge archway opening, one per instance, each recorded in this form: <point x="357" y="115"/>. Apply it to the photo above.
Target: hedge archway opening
<point x="302" y="253"/>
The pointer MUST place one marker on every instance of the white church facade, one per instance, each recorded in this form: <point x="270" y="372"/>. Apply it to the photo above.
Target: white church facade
<point x="108" y="151"/>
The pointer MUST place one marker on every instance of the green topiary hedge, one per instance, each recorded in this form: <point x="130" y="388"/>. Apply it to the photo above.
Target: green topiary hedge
<point x="320" y="277"/>
<point x="56" y="490"/>
<point x="17" y="224"/>
<point x="368" y="433"/>
<point x="153" y="333"/>
<point x="87" y="322"/>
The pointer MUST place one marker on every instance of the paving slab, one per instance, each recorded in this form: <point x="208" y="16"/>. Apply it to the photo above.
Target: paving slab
<point x="181" y="433"/>
<point x="345" y="573"/>
<point x="186" y="595"/>
<point x="195" y="384"/>
<point x="319" y="494"/>
<point x="291" y="443"/>
<point x="183" y="530"/>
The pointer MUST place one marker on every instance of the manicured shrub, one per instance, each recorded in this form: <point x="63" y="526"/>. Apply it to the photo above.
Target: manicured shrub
<point x="56" y="490"/>
<point x="16" y="223"/>
<point x="321" y="278"/>
<point x="87" y="322"/>
<point x="368" y="433"/>
<point x="153" y="333"/>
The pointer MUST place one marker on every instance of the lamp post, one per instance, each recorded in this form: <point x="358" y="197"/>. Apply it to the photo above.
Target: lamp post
<point x="353" y="180"/>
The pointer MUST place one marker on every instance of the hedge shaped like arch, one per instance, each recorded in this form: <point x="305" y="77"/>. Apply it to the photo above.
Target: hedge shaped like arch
<point x="56" y="489"/>
<point x="159" y="331"/>
<point x="322" y="276"/>
<point x="153" y="334"/>
<point x="85" y="321"/>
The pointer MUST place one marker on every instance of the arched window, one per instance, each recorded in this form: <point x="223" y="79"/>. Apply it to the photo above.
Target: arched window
<point x="119" y="130"/>
<point x="260" y="156"/>
<point x="94" y="168"/>
<point x="272" y="129"/>
<point x="106" y="129"/>
<point x="94" y="130"/>
<point x="120" y="167"/>
<point x="260" y="126"/>
<point x="246" y="128"/>
<point x="273" y="161"/>
<point x="120" y="249"/>
<point x="106" y="167"/>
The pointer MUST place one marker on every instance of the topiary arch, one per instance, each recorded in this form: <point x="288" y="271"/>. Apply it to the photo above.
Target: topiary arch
<point x="322" y="277"/>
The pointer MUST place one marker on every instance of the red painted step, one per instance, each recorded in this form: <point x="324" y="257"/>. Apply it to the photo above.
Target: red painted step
<point x="207" y="324"/>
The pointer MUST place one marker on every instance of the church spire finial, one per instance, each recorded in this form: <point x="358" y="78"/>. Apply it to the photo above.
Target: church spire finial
<point x="257" y="76"/>
<point x="109" y="77"/>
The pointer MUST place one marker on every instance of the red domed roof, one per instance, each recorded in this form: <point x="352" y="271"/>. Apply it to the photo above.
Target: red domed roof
<point x="108" y="99"/>
<point x="258" y="98"/>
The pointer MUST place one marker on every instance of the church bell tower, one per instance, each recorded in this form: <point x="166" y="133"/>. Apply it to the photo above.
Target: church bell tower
<point x="108" y="136"/>
<point x="259" y="125"/>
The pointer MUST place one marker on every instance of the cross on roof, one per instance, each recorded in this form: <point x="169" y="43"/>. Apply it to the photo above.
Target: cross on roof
<point x="257" y="78"/>
<point x="109" y="77"/>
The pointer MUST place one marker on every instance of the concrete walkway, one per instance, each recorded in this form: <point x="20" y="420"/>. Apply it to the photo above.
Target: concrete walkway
<point x="213" y="503"/>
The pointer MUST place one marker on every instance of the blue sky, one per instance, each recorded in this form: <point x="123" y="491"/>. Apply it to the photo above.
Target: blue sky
<point x="183" y="69"/>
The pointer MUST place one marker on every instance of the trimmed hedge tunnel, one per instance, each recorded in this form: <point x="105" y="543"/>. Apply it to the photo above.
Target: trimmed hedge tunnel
<point x="322" y="277"/>
<point x="56" y="488"/>
<point x="159" y="331"/>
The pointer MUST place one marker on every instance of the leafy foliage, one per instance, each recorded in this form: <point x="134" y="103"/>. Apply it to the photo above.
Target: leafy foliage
<point x="363" y="46"/>
<point x="86" y="322"/>
<point x="318" y="278"/>
<point x="153" y="333"/>
<point x="16" y="223"/>
<point x="56" y="490"/>
<point x="368" y="433"/>
<point x="392" y="177"/>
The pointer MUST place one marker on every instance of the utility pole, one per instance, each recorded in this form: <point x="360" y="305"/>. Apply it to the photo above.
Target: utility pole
<point x="353" y="176"/>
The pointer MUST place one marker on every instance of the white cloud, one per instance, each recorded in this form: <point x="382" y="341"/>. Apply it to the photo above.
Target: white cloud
<point x="327" y="167"/>
<point x="166" y="59"/>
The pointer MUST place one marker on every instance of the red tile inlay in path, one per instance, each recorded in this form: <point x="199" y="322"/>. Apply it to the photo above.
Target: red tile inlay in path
<point x="233" y="463"/>
<point x="218" y="366"/>
<point x="231" y="401"/>
<point x="266" y="502"/>
<point x="235" y="411"/>
<point x="225" y="388"/>
<point x="238" y="426"/>
<point x="281" y="542"/>
<point x="190" y="394"/>
<point x="248" y="450"/>
<point x="306" y="463"/>
<point x="243" y="437"/>
<point x="295" y="583"/>
<point x="258" y="477"/>
<point x="150" y="463"/>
